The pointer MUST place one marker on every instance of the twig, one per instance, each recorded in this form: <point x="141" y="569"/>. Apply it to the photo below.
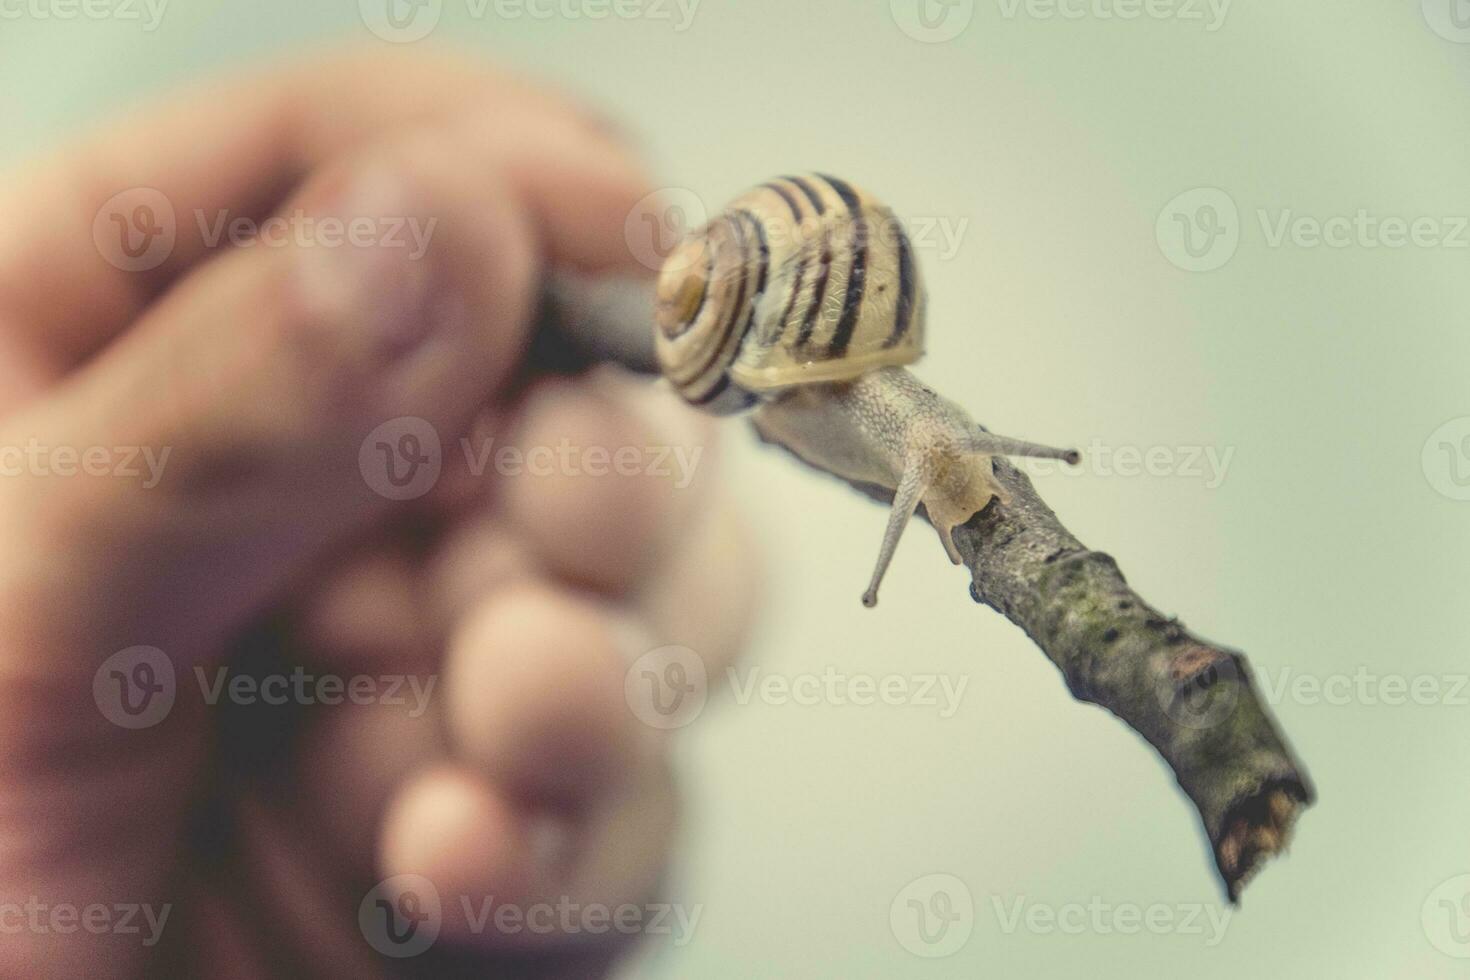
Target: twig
<point x="1192" y="700"/>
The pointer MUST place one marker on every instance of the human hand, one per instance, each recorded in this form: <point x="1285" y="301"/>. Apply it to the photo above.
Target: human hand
<point x="248" y="536"/>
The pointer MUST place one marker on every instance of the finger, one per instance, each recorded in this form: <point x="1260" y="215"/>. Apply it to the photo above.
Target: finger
<point x="366" y="614"/>
<point x="705" y="596"/>
<point x="240" y="146"/>
<point x="355" y="758"/>
<point x="352" y="759"/>
<point x="297" y="911"/>
<point x="509" y="881"/>
<point x="602" y="478"/>
<point x="262" y="376"/>
<point x="479" y="556"/>
<point x="534" y="696"/>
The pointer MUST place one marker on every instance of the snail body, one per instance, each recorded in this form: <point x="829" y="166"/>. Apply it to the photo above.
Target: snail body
<point x="802" y="301"/>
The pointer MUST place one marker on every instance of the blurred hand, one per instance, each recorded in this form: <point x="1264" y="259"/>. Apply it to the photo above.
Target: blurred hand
<point x="200" y="439"/>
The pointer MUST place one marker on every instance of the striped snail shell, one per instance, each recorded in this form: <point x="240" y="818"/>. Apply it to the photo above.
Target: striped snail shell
<point x="802" y="299"/>
<point x="801" y="280"/>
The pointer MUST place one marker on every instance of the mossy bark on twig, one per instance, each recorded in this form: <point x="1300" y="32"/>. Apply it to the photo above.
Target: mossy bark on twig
<point x="1191" y="699"/>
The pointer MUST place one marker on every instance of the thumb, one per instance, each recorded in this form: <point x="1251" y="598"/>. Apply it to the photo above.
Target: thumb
<point x="248" y="420"/>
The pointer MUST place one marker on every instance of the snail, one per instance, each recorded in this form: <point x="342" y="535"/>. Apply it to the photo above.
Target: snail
<point x="802" y="302"/>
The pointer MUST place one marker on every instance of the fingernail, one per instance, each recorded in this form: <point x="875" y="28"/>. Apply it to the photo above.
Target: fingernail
<point x="359" y="265"/>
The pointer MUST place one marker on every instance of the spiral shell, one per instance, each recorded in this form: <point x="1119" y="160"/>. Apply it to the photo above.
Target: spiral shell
<point x="801" y="280"/>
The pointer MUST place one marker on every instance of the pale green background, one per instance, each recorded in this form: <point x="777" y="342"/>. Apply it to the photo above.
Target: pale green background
<point x="1326" y="370"/>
